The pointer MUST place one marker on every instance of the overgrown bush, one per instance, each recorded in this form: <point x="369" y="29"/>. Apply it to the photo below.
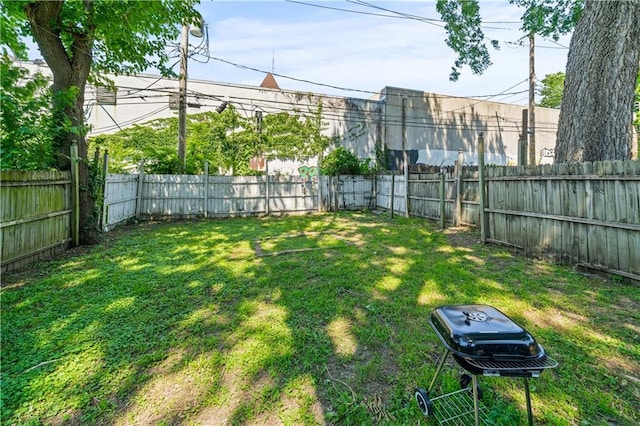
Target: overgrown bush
<point x="26" y="136"/>
<point x="341" y="161"/>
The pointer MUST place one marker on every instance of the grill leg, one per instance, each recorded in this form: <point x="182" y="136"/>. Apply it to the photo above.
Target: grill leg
<point x="474" y="383"/>
<point x="526" y="391"/>
<point x="440" y="364"/>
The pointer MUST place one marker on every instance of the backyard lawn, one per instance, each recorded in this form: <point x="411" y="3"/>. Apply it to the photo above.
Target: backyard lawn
<point x="319" y="319"/>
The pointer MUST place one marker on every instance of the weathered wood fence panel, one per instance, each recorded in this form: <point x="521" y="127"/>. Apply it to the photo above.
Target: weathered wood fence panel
<point x="383" y="191"/>
<point x="390" y="190"/>
<point x="356" y="192"/>
<point x="425" y="195"/>
<point x="236" y="196"/>
<point x="35" y="216"/>
<point x="120" y="198"/>
<point x="175" y="196"/>
<point x="469" y="196"/>
<point x="347" y="192"/>
<point x="292" y="194"/>
<point x="578" y="214"/>
<point x="184" y="196"/>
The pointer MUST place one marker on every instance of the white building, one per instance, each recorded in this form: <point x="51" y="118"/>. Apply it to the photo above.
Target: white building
<point x="435" y="127"/>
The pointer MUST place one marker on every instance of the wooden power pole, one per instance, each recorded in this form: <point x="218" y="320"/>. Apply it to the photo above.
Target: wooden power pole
<point x="532" y="100"/>
<point x="182" y="101"/>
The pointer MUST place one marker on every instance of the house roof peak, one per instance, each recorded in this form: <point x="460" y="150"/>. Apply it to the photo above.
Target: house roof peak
<point x="269" y="82"/>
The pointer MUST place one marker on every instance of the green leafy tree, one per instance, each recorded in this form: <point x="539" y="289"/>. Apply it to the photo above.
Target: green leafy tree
<point x="210" y="137"/>
<point x="26" y="141"/>
<point x="595" y="118"/>
<point x="81" y="41"/>
<point x="341" y="161"/>
<point x="551" y="91"/>
<point x="227" y="141"/>
<point x="465" y="37"/>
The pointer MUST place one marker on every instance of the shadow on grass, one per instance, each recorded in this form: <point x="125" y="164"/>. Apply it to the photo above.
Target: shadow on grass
<point x="183" y="323"/>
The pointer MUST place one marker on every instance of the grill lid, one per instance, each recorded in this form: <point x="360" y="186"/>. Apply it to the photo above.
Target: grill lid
<point x="483" y="332"/>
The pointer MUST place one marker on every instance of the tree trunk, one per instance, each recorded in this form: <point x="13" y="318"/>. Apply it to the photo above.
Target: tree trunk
<point x="70" y="69"/>
<point x="597" y="108"/>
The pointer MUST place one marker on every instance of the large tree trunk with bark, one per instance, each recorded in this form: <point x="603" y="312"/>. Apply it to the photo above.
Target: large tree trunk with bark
<point x="70" y="69"/>
<point x="597" y="107"/>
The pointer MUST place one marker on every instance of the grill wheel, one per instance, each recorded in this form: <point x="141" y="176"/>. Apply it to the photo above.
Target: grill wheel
<point x="424" y="403"/>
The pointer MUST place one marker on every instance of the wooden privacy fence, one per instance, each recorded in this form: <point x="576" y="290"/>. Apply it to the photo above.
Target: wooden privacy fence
<point x="182" y="196"/>
<point x="580" y="214"/>
<point x="35" y="216"/>
<point x="585" y="214"/>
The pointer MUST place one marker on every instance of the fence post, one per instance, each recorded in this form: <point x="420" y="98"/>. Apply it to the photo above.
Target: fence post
<point x="375" y="191"/>
<point x="336" y="192"/>
<point x="105" y="207"/>
<point x="266" y="191"/>
<point x="458" y="180"/>
<point x="320" y="183"/>
<point x="205" y="178"/>
<point x="75" y="196"/>
<point x="393" y="195"/>
<point x="483" y="195"/>
<point x="406" y="190"/>
<point x="139" y="189"/>
<point x="443" y="219"/>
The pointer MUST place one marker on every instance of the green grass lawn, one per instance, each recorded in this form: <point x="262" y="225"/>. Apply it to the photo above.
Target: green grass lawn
<point x="299" y="320"/>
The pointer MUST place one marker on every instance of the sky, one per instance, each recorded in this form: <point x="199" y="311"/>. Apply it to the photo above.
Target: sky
<point x="362" y="45"/>
<point x="358" y="50"/>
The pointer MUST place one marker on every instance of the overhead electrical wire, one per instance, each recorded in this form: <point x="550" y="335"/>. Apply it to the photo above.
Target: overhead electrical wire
<point x="220" y="97"/>
<point x="341" y="88"/>
<point x="411" y="122"/>
<point x="396" y="15"/>
<point x="287" y="105"/>
<point x="144" y="116"/>
<point x="346" y="89"/>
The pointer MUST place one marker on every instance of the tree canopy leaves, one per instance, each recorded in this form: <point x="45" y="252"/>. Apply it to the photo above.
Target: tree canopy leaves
<point x="551" y="91"/>
<point x="227" y="141"/>
<point x="549" y="18"/>
<point x="125" y="36"/>
<point x="464" y="35"/>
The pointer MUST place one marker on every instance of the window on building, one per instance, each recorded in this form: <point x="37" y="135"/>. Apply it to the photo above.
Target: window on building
<point x="106" y="96"/>
<point x="174" y="101"/>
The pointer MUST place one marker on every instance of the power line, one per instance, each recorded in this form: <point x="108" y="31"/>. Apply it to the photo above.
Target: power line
<point x="302" y="80"/>
<point x="255" y="101"/>
<point x="346" y="89"/>
<point x="396" y="15"/>
<point x="412" y="121"/>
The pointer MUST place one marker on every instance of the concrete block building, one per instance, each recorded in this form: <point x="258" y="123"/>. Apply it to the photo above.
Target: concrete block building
<point x="431" y="127"/>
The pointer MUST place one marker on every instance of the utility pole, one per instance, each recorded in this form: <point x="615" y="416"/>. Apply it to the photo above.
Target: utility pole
<point x="182" y="101"/>
<point x="532" y="100"/>
<point x="405" y="155"/>
<point x="197" y="31"/>
<point x="522" y="142"/>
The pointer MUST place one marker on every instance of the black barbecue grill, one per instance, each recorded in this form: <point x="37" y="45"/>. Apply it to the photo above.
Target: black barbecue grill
<point x="483" y="341"/>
